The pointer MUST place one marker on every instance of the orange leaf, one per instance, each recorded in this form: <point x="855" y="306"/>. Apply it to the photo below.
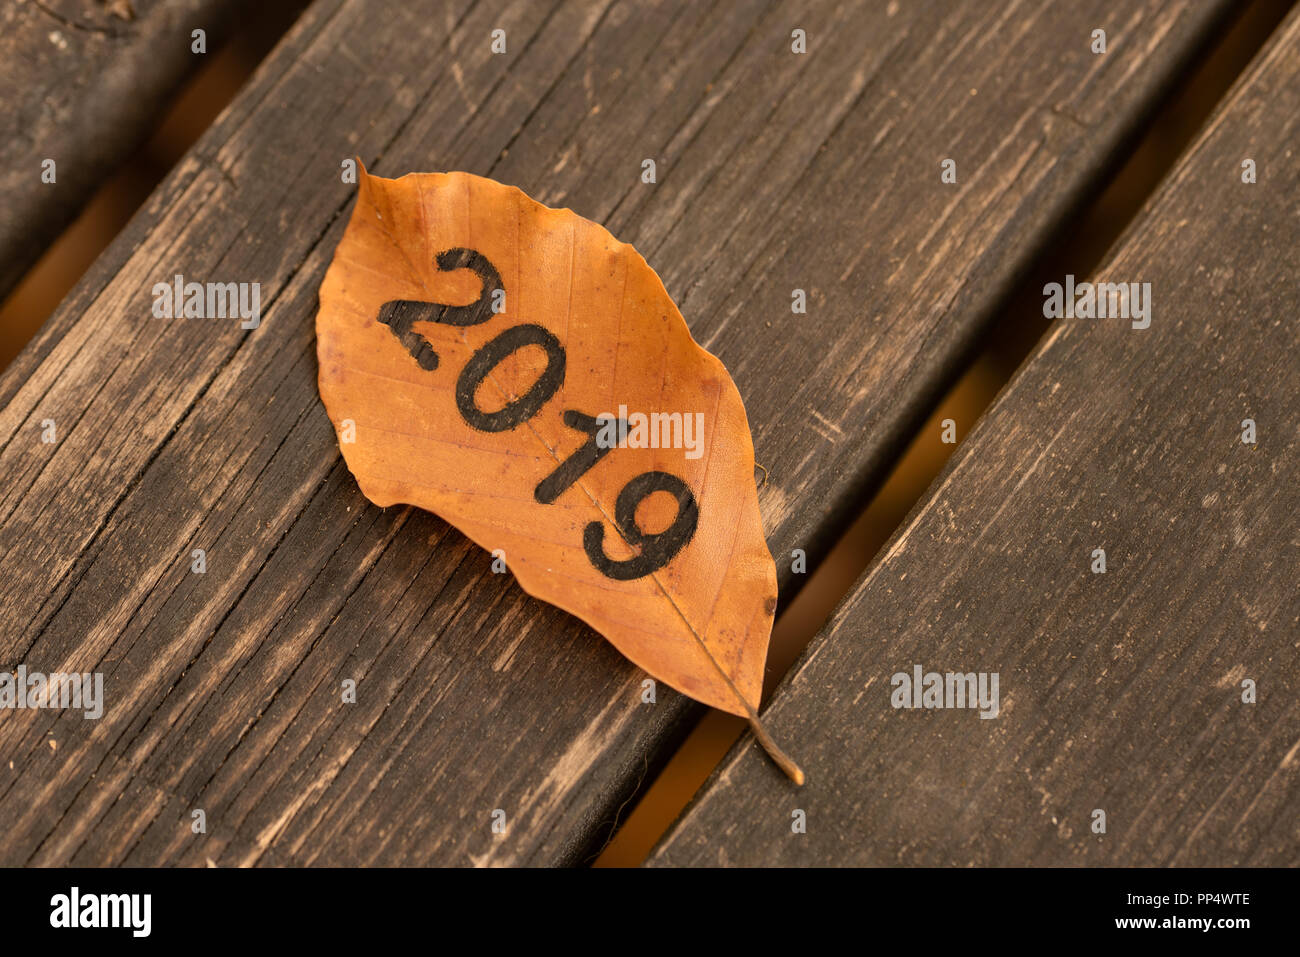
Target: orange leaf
<point x="493" y="358"/>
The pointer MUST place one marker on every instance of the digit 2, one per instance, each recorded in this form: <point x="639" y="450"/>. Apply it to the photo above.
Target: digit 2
<point x="400" y="315"/>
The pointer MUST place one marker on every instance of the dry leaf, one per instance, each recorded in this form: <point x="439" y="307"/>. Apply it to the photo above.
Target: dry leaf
<point x="487" y="358"/>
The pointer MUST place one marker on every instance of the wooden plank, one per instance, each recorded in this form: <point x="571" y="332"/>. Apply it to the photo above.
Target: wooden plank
<point x="1119" y="691"/>
<point x="84" y="86"/>
<point x="776" y="171"/>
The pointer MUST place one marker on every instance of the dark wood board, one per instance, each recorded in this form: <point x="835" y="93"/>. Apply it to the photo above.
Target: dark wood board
<point x="776" y="171"/>
<point x="1120" y="691"/>
<point x="84" y="84"/>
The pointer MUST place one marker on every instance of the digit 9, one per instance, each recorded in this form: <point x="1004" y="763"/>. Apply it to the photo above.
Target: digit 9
<point x="657" y="549"/>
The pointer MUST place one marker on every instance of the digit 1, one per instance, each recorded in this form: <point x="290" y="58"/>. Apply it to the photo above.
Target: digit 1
<point x="584" y="457"/>
<point x="400" y="315"/>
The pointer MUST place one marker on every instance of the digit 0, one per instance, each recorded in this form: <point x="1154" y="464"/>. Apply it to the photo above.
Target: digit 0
<point x="492" y="353"/>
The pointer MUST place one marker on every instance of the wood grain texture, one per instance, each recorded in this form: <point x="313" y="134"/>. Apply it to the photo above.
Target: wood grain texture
<point x="776" y="171"/>
<point x="84" y="86"/>
<point x="1119" y="691"/>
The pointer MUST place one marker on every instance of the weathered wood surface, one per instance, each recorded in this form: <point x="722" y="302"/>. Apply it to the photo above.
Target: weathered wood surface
<point x="84" y="83"/>
<point x="776" y="171"/>
<point x="1119" y="691"/>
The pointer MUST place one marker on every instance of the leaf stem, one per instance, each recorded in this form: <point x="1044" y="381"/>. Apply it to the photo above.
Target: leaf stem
<point x="779" y="757"/>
